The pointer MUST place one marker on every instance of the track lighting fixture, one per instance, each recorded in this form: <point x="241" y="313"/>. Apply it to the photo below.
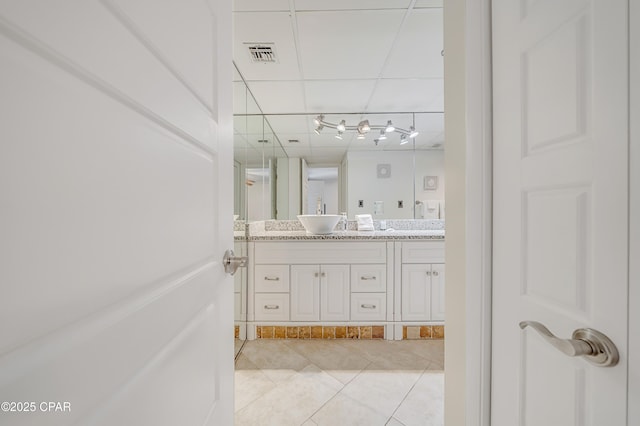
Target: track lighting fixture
<point x="363" y="128"/>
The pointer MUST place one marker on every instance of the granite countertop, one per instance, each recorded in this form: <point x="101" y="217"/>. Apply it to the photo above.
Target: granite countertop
<point x="350" y="235"/>
<point x="290" y="230"/>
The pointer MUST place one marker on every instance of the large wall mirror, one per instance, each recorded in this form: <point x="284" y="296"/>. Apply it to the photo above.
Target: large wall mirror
<point x="286" y="168"/>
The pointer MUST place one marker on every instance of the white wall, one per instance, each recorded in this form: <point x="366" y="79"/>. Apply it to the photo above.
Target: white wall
<point x="288" y="188"/>
<point x="403" y="184"/>
<point x="327" y="190"/>
<point x="259" y="195"/>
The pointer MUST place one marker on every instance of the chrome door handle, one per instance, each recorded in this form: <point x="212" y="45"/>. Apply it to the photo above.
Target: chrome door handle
<point x="594" y="346"/>
<point x="232" y="262"/>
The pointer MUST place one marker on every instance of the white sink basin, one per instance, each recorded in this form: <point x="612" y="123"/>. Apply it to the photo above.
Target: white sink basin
<point x="319" y="223"/>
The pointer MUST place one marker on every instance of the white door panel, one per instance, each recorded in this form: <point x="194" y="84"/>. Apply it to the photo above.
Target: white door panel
<point x="114" y="298"/>
<point x="560" y="207"/>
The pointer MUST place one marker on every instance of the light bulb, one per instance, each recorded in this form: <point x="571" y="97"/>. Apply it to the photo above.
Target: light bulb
<point x="413" y="133"/>
<point x="383" y="135"/>
<point x="403" y="139"/>
<point x="360" y="136"/>
<point x="339" y="135"/>
<point x="390" y="127"/>
<point x="318" y="120"/>
<point x="318" y="129"/>
<point x="342" y="126"/>
<point x="365" y="126"/>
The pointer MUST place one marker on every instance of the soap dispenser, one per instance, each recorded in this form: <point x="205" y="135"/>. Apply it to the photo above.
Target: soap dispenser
<point x="344" y="221"/>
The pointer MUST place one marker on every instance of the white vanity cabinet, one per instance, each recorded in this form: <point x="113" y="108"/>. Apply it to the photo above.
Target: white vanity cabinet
<point x="368" y="292"/>
<point x="320" y="279"/>
<point x="422" y="281"/>
<point x="319" y="292"/>
<point x="271" y="286"/>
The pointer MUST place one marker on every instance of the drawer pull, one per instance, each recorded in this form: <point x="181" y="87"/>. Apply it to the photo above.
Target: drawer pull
<point x="272" y="279"/>
<point x="323" y="274"/>
<point x="271" y="307"/>
<point x="316" y="274"/>
<point x="429" y="273"/>
<point x="367" y="306"/>
<point x="435" y="273"/>
<point x="367" y="277"/>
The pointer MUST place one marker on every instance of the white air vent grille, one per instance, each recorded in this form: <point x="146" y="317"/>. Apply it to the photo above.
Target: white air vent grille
<point x="262" y="52"/>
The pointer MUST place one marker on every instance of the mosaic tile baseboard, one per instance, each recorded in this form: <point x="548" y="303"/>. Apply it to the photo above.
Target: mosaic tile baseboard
<point x="422" y="332"/>
<point x="320" y="332"/>
<point x="237" y="331"/>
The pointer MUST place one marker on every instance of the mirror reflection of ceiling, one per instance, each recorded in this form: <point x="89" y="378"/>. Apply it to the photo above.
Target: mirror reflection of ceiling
<point x="347" y="59"/>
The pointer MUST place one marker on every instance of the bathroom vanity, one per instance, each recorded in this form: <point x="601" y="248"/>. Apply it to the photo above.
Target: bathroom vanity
<point x="390" y="280"/>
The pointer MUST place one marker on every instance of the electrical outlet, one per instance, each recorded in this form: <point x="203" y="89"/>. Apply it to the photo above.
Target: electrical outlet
<point x="360" y="203"/>
<point x="400" y="204"/>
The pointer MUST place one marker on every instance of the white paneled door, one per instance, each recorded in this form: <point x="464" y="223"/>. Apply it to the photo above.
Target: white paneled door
<point x="114" y="148"/>
<point x="560" y="95"/>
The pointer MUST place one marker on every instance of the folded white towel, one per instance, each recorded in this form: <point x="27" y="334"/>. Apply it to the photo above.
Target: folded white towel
<point x="365" y="222"/>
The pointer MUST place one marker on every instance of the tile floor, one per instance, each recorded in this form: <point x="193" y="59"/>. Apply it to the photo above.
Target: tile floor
<point x="340" y="383"/>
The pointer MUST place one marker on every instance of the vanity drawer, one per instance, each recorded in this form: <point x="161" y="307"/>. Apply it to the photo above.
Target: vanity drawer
<point x="272" y="306"/>
<point x="368" y="278"/>
<point x="271" y="278"/>
<point x="368" y="306"/>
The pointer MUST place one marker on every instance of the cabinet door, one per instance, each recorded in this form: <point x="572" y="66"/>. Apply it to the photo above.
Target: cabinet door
<point x="437" y="291"/>
<point x="416" y="292"/>
<point x="334" y="292"/>
<point x="305" y="292"/>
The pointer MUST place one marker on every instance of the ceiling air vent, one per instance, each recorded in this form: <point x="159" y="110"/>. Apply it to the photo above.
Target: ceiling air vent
<point x="294" y="141"/>
<point x="264" y="53"/>
<point x="263" y="140"/>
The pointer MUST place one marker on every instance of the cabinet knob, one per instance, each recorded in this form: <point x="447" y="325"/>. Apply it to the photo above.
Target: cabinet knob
<point x="316" y="274"/>
<point x="429" y="273"/>
<point x="435" y="273"/>
<point x="323" y="274"/>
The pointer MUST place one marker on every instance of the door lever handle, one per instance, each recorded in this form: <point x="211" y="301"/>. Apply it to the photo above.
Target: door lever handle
<point x="231" y="262"/>
<point x="594" y="346"/>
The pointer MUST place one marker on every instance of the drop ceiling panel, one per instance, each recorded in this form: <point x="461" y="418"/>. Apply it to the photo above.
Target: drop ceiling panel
<point x="298" y="152"/>
<point x="302" y="138"/>
<point x="417" y="52"/>
<point x="338" y="95"/>
<point x="260" y="5"/>
<point x="326" y="156"/>
<point x="265" y="27"/>
<point x="350" y="4"/>
<point x="278" y="96"/>
<point x="348" y="44"/>
<point x="290" y="123"/>
<point x="408" y="95"/>
<point x="430" y="122"/>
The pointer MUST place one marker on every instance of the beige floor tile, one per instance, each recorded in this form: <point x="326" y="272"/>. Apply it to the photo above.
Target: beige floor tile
<point x="275" y="358"/>
<point x="394" y="422"/>
<point x="334" y="357"/>
<point x="250" y="384"/>
<point x="424" y="405"/>
<point x="342" y="410"/>
<point x="291" y="402"/>
<point x="381" y="390"/>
